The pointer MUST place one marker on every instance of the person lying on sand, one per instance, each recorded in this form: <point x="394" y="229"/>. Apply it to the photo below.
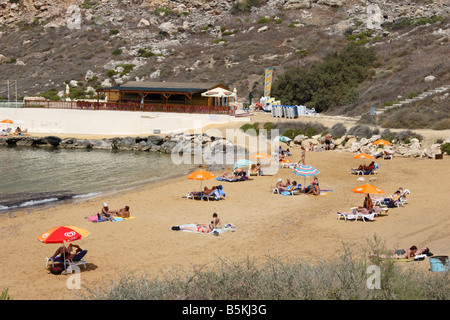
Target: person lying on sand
<point x="407" y="253"/>
<point x="235" y="175"/>
<point x="203" y="227"/>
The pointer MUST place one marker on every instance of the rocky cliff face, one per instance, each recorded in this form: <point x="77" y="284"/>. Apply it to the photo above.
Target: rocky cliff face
<point x="91" y="43"/>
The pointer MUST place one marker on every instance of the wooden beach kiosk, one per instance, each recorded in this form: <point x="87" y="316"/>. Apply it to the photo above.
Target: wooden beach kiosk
<point x="180" y="97"/>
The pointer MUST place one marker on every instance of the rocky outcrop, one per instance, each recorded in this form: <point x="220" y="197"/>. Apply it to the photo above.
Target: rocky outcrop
<point x="181" y="144"/>
<point x="352" y="144"/>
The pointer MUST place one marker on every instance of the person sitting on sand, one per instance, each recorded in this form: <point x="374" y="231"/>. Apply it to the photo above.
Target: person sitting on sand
<point x="124" y="212"/>
<point x="108" y="214"/>
<point x="313" y="188"/>
<point x="215" y="222"/>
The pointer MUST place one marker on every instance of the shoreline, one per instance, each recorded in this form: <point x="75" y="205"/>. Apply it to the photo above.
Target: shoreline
<point x="288" y="227"/>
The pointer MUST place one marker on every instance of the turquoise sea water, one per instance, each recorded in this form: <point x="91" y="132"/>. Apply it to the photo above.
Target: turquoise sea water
<point x="37" y="176"/>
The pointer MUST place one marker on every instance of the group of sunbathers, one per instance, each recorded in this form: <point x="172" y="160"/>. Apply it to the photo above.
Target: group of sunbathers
<point x="237" y="174"/>
<point x="288" y="186"/>
<point x="313" y="188"/>
<point x="392" y="199"/>
<point x="109" y="214"/>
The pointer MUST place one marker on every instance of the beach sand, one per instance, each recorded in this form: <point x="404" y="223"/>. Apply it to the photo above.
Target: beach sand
<point x="289" y="227"/>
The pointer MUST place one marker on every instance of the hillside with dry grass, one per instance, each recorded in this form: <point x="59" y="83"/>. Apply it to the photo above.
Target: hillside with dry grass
<point x="92" y="44"/>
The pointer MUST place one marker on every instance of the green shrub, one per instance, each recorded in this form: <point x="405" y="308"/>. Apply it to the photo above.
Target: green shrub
<point x="328" y="84"/>
<point x="87" y="4"/>
<point x="254" y="128"/>
<point x="244" y="6"/>
<point x="117" y="52"/>
<point x="51" y="95"/>
<point x="113" y="32"/>
<point x="445" y="148"/>
<point x="4" y="295"/>
<point x="162" y="11"/>
<point x="263" y="20"/>
<point x="111" y="73"/>
<point x="127" y="68"/>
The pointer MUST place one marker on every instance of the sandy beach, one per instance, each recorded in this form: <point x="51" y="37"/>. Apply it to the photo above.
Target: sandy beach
<point x="290" y="227"/>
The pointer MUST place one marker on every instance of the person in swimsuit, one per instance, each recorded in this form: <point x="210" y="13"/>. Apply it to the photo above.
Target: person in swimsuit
<point x="203" y="227"/>
<point x="124" y="212"/>
<point x="66" y="253"/>
<point x="108" y="214"/>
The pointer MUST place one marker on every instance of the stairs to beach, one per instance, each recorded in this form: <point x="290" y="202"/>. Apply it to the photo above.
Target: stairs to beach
<point x="419" y="97"/>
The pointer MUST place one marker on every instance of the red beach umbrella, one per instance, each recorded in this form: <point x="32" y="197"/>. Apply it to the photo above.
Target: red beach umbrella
<point x="63" y="234"/>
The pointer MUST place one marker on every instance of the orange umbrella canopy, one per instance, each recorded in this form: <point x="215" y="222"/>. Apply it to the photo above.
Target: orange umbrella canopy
<point x="201" y="175"/>
<point x="367" y="188"/>
<point x="382" y="142"/>
<point x="63" y="234"/>
<point x="7" y="121"/>
<point x="363" y="156"/>
<point x="260" y="155"/>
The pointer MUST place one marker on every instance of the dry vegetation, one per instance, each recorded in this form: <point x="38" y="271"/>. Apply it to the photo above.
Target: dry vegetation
<point x="237" y="56"/>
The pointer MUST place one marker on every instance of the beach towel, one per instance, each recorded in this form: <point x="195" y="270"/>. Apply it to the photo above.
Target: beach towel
<point x="217" y="231"/>
<point x="95" y="219"/>
<point x="232" y="180"/>
<point x="322" y="194"/>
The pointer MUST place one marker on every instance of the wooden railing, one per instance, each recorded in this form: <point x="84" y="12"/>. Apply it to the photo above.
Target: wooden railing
<point x="128" y="106"/>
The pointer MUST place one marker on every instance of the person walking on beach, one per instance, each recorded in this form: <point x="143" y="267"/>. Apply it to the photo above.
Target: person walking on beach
<point x="303" y="159"/>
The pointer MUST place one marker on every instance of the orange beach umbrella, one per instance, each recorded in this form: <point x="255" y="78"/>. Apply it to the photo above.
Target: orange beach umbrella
<point x="201" y="175"/>
<point x="260" y="155"/>
<point x="363" y="156"/>
<point x="367" y="188"/>
<point x="7" y="121"/>
<point x="382" y="142"/>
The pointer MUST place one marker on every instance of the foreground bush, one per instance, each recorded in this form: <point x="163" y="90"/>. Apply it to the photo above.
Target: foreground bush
<point x="341" y="279"/>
